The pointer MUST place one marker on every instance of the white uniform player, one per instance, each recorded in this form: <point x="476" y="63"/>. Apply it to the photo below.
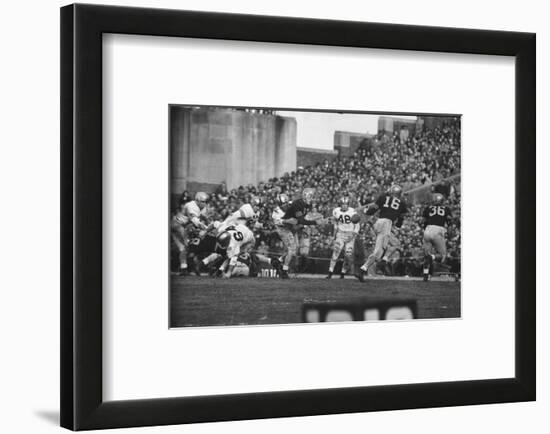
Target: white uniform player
<point x="184" y="223"/>
<point x="346" y="231"/>
<point x="247" y="212"/>
<point x="242" y="239"/>
<point x="237" y="239"/>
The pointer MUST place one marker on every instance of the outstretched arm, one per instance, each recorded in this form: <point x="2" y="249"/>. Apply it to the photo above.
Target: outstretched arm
<point x="197" y="223"/>
<point x="368" y="209"/>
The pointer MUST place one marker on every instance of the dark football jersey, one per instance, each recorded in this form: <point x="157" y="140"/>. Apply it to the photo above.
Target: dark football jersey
<point x="437" y="215"/>
<point x="298" y="210"/>
<point x="391" y="207"/>
<point x="205" y="246"/>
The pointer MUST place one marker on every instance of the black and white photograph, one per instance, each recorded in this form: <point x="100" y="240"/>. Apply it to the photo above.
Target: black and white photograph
<point x="285" y="216"/>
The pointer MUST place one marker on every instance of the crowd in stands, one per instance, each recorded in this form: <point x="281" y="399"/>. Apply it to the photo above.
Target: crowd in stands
<point x="428" y="159"/>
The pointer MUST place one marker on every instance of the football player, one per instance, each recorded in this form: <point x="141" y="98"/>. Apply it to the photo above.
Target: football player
<point x="246" y="213"/>
<point x="238" y="242"/>
<point x="292" y="220"/>
<point x="285" y="233"/>
<point x="186" y="223"/>
<point x="346" y="228"/>
<point x="391" y="208"/>
<point x="204" y="253"/>
<point x="436" y="216"/>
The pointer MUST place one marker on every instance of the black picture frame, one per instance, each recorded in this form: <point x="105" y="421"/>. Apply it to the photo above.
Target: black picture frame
<point x="82" y="27"/>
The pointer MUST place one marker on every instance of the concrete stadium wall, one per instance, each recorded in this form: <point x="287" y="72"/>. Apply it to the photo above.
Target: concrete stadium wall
<point x="311" y="156"/>
<point x="210" y="146"/>
<point x="346" y="142"/>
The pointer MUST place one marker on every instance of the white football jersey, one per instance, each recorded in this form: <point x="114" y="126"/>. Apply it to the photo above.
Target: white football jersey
<point x="277" y="216"/>
<point x="241" y="216"/>
<point x="240" y="235"/>
<point x="246" y="212"/>
<point x="342" y="220"/>
<point x="191" y="209"/>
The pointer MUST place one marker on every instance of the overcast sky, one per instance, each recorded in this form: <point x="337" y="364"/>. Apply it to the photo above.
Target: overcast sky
<point x="316" y="130"/>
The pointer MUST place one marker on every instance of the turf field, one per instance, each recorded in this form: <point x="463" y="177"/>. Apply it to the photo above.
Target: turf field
<point x="205" y="301"/>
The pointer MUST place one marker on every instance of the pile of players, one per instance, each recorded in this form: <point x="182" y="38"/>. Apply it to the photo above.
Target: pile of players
<point x="227" y="248"/>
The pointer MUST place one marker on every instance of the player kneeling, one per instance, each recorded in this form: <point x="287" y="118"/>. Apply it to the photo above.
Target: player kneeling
<point x="436" y="216"/>
<point x="238" y="242"/>
<point x="346" y="227"/>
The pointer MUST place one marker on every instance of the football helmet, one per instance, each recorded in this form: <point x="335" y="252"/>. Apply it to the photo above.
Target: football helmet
<point x="282" y="199"/>
<point x="223" y="240"/>
<point x="307" y="195"/>
<point x="201" y="198"/>
<point x="344" y="203"/>
<point x="256" y="203"/>
<point x="438" y="198"/>
<point x="396" y="190"/>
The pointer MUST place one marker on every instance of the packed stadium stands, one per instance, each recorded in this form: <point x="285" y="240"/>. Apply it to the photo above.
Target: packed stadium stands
<point x="429" y="159"/>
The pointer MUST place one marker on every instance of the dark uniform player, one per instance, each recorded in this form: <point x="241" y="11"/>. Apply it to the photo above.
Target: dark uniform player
<point x="293" y="219"/>
<point x="436" y="216"/>
<point x="201" y="248"/>
<point x="391" y="209"/>
<point x="247" y="265"/>
<point x="206" y="253"/>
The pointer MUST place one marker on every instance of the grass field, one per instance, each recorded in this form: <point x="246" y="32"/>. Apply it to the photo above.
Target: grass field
<point x="204" y="301"/>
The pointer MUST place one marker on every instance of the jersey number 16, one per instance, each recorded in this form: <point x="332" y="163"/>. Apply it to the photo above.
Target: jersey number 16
<point x="392" y="202"/>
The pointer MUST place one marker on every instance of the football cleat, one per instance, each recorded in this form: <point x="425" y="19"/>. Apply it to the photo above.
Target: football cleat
<point x="428" y="260"/>
<point x="275" y="263"/>
<point x="212" y="270"/>
<point x="426" y="277"/>
<point x="197" y="263"/>
<point x="283" y="274"/>
<point x="360" y="276"/>
<point x="329" y="275"/>
<point x="184" y="272"/>
<point x="342" y="275"/>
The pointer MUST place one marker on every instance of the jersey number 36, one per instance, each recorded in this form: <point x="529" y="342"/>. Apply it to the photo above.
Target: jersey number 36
<point x="439" y="210"/>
